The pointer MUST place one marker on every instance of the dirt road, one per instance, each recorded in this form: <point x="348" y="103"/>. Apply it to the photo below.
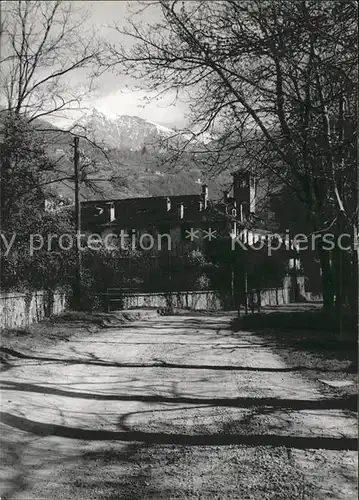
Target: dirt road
<point x="171" y="407"/>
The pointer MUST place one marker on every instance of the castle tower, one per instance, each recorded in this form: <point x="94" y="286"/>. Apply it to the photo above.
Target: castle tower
<point x="244" y="192"/>
<point x="204" y="196"/>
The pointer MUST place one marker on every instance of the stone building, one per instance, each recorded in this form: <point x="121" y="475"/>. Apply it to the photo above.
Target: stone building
<point x="189" y="222"/>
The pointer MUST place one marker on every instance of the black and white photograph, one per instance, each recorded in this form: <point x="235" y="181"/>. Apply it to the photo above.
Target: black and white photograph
<point x="179" y="250"/>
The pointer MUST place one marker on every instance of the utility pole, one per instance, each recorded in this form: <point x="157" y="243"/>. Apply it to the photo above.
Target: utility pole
<point x="245" y="293"/>
<point x="78" y="270"/>
<point x="295" y="276"/>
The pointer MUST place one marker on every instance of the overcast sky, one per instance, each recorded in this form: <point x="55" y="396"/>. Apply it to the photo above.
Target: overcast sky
<point x="110" y="95"/>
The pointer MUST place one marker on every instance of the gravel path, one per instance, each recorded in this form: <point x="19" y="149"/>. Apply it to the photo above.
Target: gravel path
<point x="171" y="407"/>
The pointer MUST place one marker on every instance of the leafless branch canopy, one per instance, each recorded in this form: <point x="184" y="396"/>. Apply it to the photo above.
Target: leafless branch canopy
<point x="44" y="47"/>
<point x="273" y="83"/>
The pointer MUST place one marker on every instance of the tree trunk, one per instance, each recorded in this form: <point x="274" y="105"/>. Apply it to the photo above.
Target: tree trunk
<point x="327" y="280"/>
<point x="353" y="288"/>
<point x="345" y="278"/>
<point x="337" y="273"/>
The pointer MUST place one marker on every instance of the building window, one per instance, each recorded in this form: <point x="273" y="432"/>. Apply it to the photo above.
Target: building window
<point x="112" y="213"/>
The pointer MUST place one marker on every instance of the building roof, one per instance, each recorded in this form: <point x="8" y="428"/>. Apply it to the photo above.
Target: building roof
<point x="152" y="211"/>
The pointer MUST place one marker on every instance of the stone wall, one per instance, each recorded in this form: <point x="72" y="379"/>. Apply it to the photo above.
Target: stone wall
<point x="195" y="300"/>
<point x="272" y="297"/>
<point x="19" y="310"/>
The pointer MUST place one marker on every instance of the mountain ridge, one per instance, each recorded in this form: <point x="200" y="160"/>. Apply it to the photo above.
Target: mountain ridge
<point x="135" y="168"/>
<point x="124" y="132"/>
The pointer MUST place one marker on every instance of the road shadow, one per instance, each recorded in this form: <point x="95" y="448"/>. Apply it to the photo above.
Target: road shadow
<point x="145" y="455"/>
<point x="183" y="439"/>
<point x="97" y="361"/>
<point x="336" y="403"/>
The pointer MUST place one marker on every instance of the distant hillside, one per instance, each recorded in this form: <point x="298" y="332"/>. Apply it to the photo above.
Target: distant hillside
<point x="126" y="163"/>
<point x="125" y="171"/>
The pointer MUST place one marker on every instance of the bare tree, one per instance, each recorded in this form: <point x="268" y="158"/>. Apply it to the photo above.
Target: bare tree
<point x="274" y="81"/>
<point x="49" y="62"/>
<point x="44" y="44"/>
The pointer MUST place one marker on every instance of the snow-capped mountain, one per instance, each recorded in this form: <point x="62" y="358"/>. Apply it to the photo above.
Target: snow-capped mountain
<point x="122" y="132"/>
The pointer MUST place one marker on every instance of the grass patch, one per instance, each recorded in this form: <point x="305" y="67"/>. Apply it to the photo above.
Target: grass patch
<point x="308" y="338"/>
<point x="311" y="320"/>
<point x="311" y="330"/>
